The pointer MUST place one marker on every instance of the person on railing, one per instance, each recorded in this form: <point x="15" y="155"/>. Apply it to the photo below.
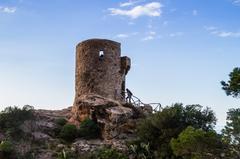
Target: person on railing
<point x="129" y="96"/>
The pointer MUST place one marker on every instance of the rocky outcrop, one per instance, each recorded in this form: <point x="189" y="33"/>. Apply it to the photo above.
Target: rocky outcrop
<point x="117" y="123"/>
<point x="116" y="120"/>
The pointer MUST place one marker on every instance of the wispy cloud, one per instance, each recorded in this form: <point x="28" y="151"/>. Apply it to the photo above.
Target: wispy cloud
<point x="122" y="36"/>
<point x="228" y="34"/>
<point x="152" y="9"/>
<point x="125" y="35"/>
<point x="165" y="23"/>
<point x="129" y="3"/>
<point x="8" y="9"/>
<point x="236" y="2"/>
<point x="150" y="36"/>
<point x="176" y="34"/>
<point x="194" y="12"/>
<point x="210" y="28"/>
<point x="221" y="33"/>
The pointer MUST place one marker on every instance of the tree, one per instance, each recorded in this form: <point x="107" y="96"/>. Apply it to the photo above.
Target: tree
<point x="231" y="131"/>
<point x="198" y="144"/>
<point x="232" y="87"/>
<point x="161" y="127"/>
<point x="11" y="119"/>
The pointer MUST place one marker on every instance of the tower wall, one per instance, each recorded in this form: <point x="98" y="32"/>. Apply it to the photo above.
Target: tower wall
<point x="100" y="69"/>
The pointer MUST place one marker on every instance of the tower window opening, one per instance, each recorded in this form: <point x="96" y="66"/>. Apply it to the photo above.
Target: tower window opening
<point x="101" y="55"/>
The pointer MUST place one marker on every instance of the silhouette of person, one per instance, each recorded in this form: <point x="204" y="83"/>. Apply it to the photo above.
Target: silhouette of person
<point x="129" y="96"/>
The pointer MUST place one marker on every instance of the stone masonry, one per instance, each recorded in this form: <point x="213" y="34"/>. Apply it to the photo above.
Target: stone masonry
<point x="100" y="74"/>
<point x="100" y="69"/>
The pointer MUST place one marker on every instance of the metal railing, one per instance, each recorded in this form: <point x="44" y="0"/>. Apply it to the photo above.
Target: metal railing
<point x="138" y="103"/>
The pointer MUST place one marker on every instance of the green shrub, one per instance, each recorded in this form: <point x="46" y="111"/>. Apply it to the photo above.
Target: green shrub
<point x="159" y="128"/>
<point x="68" y="132"/>
<point x="12" y="117"/>
<point x="108" y="153"/>
<point x="197" y="143"/>
<point x="140" y="150"/>
<point x="65" y="154"/>
<point x="61" y="121"/>
<point x="6" y="146"/>
<point x="88" y="129"/>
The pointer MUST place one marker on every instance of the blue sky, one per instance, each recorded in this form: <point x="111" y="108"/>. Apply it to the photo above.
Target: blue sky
<point x="180" y="50"/>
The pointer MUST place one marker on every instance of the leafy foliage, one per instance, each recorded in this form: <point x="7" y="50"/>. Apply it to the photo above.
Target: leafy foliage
<point x="140" y="150"/>
<point x="6" y="147"/>
<point x="66" y="155"/>
<point x="197" y="143"/>
<point x="61" y="121"/>
<point x="232" y="128"/>
<point x="108" y="153"/>
<point x="232" y="87"/>
<point x="12" y="117"/>
<point x="89" y="129"/>
<point x="231" y="131"/>
<point x="68" y="132"/>
<point x="160" y="128"/>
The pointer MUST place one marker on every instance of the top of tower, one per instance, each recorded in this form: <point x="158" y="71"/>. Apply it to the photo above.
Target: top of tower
<point x="99" y="41"/>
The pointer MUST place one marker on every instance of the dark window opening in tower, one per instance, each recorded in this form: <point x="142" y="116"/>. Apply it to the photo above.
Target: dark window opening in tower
<point x="101" y="55"/>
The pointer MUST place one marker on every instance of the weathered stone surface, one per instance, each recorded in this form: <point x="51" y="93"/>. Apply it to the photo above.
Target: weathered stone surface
<point x="45" y="154"/>
<point x="83" y="146"/>
<point x="100" y="69"/>
<point x="115" y="120"/>
<point x="91" y="106"/>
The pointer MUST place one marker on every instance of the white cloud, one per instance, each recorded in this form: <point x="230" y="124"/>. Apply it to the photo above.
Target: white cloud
<point x="122" y="36"/>
<point x="210" y="28"/>
<point x="223" y="34"/>
<point x="150" y="37"/>
<point x="152" y="33"/>
<point x="195" y="12"/>
<point x="129" y="3"/>
<point x="152" y="9"/>
<point x="228" y="34"/>
<point x="131" y="23"/>
<point x="236" y="2"/>
<point x="176" y="34"/>
<point x="8" y="9"/>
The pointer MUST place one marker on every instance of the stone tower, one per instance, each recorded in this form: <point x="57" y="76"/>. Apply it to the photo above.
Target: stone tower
<point x="100" y="69"/>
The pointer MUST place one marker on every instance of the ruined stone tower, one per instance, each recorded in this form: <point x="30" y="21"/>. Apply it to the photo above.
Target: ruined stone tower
<point x="100" y="89"/>
<point x="100" y="69"/>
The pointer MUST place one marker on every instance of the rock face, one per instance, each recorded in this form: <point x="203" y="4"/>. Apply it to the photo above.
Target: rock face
<point x="117" y="123"/>
<point x="115" y="119"/>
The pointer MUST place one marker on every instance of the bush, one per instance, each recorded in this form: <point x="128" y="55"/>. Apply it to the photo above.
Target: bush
<point x="65" y="154"/>
<point x="12" y="117"/>
<point x="108" y="153"/>
<point x="197" y="143"/>
<point x="89" y="129"/>
<point x="61" y="121"/>
<point x="68" y="132"/>
<point x="161" y="127"/>
<point x="140" y="150"/>
<point x="6" y="146"/>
